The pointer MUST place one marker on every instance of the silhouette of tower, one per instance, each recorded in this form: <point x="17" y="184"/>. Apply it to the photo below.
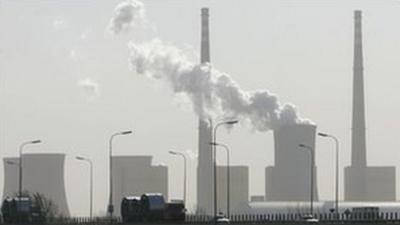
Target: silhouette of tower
<point x="358" y="140"/>
<point x="205" y="162"/>
<point x="362" y="182"/>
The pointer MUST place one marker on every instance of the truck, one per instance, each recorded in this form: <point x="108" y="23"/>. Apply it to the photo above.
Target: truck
<point x="151" y="207"/>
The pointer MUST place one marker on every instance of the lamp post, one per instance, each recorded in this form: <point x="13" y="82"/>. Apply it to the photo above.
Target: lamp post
<point x="310" y="150"/>
<point x="228" y="176"/>
<point x="231" y="122"/>
<point x="110" y="208"/>
<point x="337" y="171"/>
<point x="184" y="173"/>
<point x="90" y="182"/>
<point x="21" y="149"/>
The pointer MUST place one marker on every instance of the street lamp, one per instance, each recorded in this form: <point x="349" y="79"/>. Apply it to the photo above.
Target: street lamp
<point x="337" y="171"/>
<point x="228" y="176"/>
<point x="184" y="173"/>
<point x="310" y="150"/>
<point x="231" y="122"/>
<point x="110" y="207"/>
<point x="21" y="149"/>
<point x="91" y="181"/>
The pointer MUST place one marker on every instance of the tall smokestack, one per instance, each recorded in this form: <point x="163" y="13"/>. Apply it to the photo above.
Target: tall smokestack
<point x="362" y="182"/>
<point x="205" y="37"/>
<point x="358" y="145"/>
<point x="205" y="162"/>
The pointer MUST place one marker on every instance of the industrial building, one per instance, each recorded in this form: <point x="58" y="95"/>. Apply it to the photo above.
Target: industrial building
<point x="289" y="179"/>
<point x="239" y="189"/>
<point x="134" y="176"/>
<point x="363" y="182"/>
<point x="42" y="173"/>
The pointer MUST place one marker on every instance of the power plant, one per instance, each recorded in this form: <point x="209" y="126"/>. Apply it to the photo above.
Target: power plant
<point x="363" y="182"/>
<point x="141" y="186"/>
<point x="288" y="180"/>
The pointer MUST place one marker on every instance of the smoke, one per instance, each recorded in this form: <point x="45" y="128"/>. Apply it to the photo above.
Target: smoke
<point x="213" y="94"/>
<point x="91" y="88"/>
<point x="127" y="14"/>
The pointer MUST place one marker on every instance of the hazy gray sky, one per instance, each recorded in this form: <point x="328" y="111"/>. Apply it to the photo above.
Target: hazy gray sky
<point x="66" y="81"/>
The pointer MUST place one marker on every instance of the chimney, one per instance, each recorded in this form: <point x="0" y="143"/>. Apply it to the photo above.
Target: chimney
<point x="358" y="145"/>
<point x="363" y="183"/>
<point x="205" y="38"/>
<point x="205" y="159"/>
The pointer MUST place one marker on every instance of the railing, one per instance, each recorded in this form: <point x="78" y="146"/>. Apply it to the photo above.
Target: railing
<point x="272" y="219"/>
<point x="350" y="218"/>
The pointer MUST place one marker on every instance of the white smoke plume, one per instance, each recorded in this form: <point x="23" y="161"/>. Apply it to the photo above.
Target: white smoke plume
<point x="212" y="92"/>
<point x="91" y="88"/>
<point x="127" y="14"/>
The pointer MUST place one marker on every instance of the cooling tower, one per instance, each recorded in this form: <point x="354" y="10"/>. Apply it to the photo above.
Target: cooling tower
<point x="289" y="179"/>
<point x="42" y="173"/>
<point x="205" y="160"/>
<point x="135" y="176"/>
<point x="362" y="182"/>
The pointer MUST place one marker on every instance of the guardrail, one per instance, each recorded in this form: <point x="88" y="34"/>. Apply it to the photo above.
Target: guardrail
<point x="393" y="217"/>
<point x="270" y="219"/>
